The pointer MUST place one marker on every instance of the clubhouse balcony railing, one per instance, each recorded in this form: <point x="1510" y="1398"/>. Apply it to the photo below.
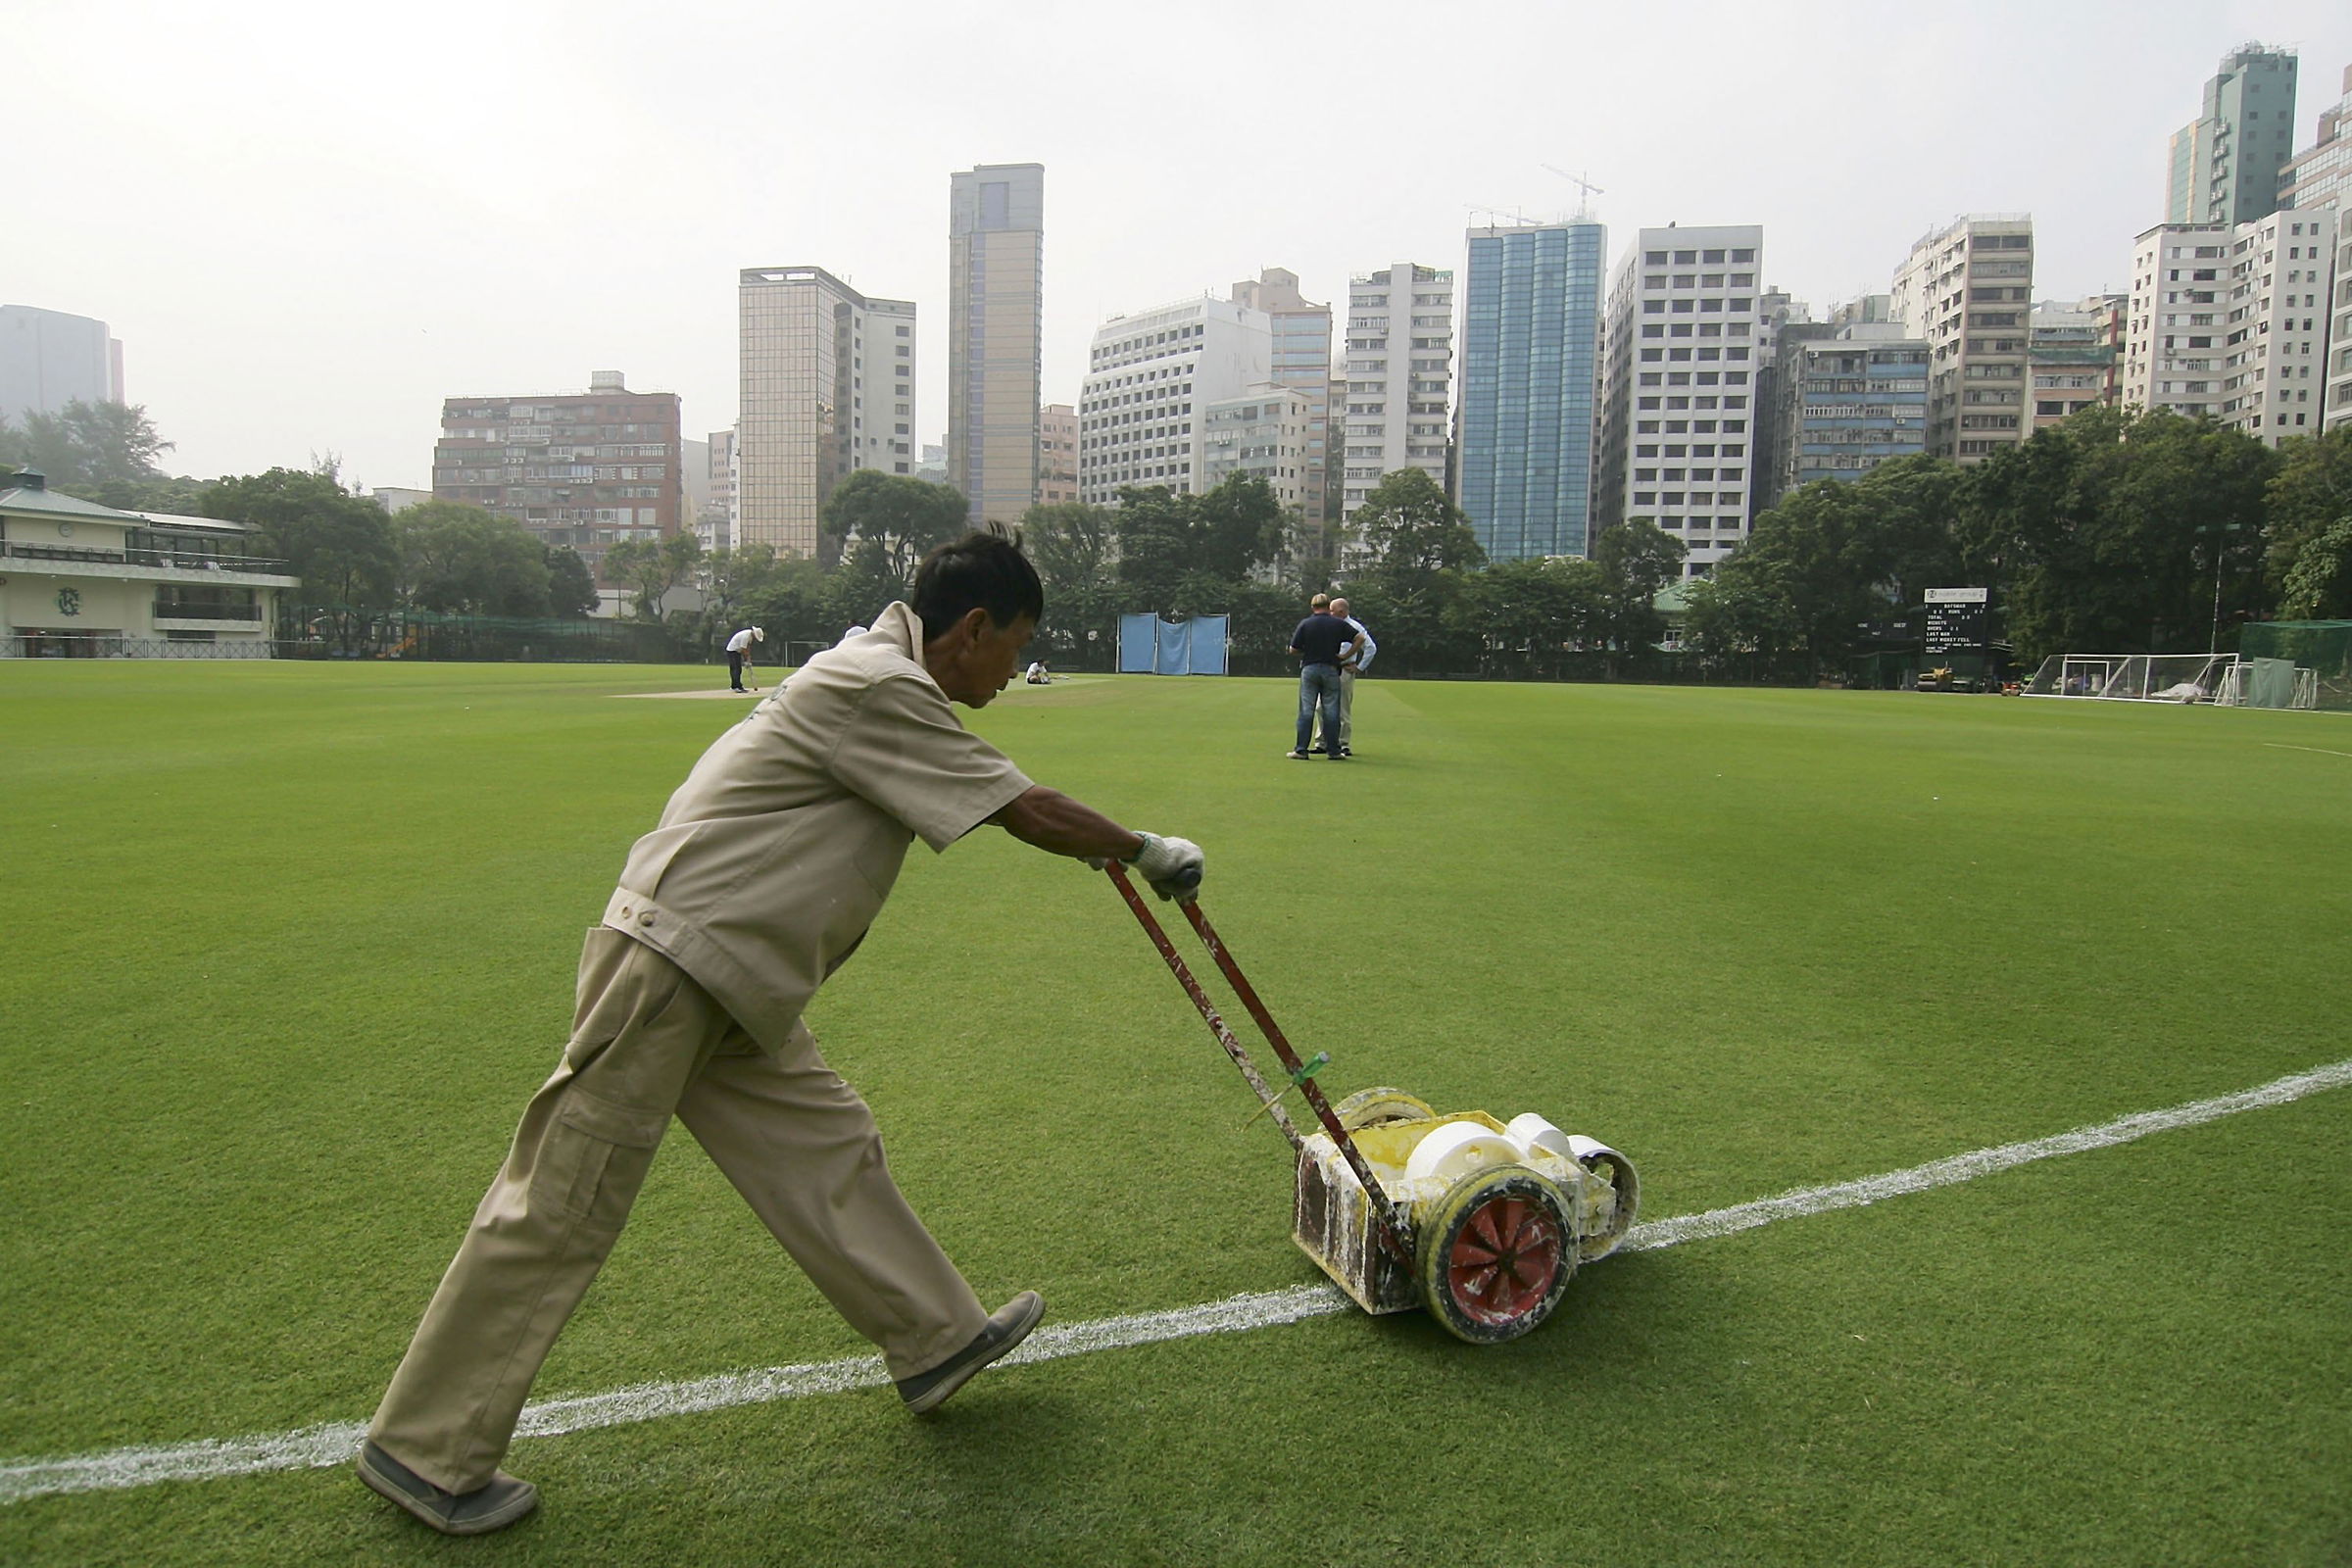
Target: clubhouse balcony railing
<point x="179" y="560"/>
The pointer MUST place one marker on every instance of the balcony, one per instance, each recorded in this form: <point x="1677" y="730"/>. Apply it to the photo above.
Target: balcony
<point x="151" y="565"/>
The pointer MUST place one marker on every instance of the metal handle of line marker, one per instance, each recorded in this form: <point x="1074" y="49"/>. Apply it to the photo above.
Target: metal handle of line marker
<point x="1394" y="1231"/>
<point x="1208" y="1010"/>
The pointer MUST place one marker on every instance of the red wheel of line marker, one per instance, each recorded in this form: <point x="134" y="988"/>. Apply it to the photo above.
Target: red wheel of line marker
<point x="1504" y="1260"/>
<point x="1498" y="1254"/>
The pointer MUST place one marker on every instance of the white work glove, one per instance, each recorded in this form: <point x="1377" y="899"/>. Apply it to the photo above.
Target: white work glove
<point x="1171" y="865"/>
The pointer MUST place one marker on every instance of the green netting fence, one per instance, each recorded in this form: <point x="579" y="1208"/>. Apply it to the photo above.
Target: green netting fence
<point x="2323" y="647"/>
<point x="335" y="633"/>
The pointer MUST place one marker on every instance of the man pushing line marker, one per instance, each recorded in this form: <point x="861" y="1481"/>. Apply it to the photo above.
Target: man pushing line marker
<point x="769" y="863"/>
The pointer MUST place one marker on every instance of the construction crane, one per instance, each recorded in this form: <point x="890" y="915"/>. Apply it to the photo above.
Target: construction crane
<point x="1584" y="208"/>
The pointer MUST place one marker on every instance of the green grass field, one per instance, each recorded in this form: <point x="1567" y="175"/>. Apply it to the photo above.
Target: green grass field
<point x="287" y="947"/>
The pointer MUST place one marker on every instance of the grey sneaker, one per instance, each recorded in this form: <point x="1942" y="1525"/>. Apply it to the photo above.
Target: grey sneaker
<point x="494" y="1505"/>
<point x="1008" y="1326"/>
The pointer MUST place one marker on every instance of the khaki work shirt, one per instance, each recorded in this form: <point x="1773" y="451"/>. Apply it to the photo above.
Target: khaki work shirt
<point x="775" y="855"/>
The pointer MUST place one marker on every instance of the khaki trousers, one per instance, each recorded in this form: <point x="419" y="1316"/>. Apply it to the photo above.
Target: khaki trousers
<point x="1346" y="707"/>
<point x="798" y="1143"/>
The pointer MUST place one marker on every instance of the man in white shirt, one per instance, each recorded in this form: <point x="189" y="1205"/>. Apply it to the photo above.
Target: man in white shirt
<point x="739" y="653"/>
<point x="1350" y="667"/>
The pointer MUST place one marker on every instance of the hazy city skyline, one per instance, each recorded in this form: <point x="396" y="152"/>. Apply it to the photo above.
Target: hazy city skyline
<point x="308" y="230"/>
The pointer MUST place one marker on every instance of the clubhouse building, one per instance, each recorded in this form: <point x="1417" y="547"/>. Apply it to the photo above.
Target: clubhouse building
<point x="82" y="580"/>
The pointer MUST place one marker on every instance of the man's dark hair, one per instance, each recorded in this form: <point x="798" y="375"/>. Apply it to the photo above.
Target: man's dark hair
<point x="984" y="569"/>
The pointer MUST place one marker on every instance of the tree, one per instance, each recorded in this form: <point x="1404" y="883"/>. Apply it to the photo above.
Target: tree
<point x="87" y="444"/>
<point x="1408" y="524"/>
<point x="1237" y="526"/>
<point x="570" y="583"/>
<point x="1745" y="619"/>
<point x="2319" y="586"/>
<point x="2309" y="495"/>
<point x="459" y="560"/>
<point x="2115" y="526"/>
<point x="1074" y="546"/>
<point x="1155" y="544"/>
<point x="1524" y="614"/>
<point x="340" y="544"/>
<point x="1634" y="560"/>
<point x="652" y="567"/>
<point x="903" y="518"/>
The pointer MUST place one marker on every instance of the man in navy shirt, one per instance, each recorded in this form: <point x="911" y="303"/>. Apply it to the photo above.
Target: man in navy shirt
<point x="1321" y="641"/>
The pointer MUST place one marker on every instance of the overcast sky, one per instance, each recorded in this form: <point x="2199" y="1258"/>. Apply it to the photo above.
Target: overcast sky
<point x="308" y="225"/>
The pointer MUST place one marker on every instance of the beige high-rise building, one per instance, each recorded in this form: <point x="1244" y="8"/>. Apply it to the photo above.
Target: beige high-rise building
<point x="827" y="388"/>
<point x="1057" y="454"/>
<point x="996" y="332"/>
<point x="1968" y="289"/>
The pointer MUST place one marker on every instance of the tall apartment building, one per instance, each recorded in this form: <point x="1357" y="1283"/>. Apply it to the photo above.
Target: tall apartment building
<point x="995" y="333"/>
<point x="1147" y="374"/>
<point x="1968" y="288"/>
<point x="2339" y="334"/>
<point x="49" y="359"/>
<point x="2173" y="347"/>
<point x="2224" y="164"/>
<point x="1850" y="399"/>
<point x="2275" y="359"/>
<point x="1302" y="360"/>
<point x="1400" y="372"/>
<point x="1531" y="362"/>
<point x="1057" y="454"/>
<point x="827" y="388"/>
<point x="2321" y="175"/>
<point x="586" y="470"/>
<point x="2072" y="356"/>
<point x="1265" y="430"/>
<point x="1681" y="349"/>
<point x="2232" y="321"/>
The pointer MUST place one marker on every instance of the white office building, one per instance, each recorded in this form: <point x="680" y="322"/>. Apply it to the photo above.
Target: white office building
<point x="1150" y="380"/>
<point x="1685" y="332"/>
<point x="1400" y="376"/>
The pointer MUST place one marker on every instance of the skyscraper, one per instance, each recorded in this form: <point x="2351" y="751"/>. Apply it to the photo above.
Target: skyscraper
<point x="1531" y="352"/>
<point x="1687" y="321"/>
<point x="49" y="359"/>
<point x="1399" y="378"/>
<point x="1302" y="359"/>
<point x="1968" y="289"/>
<point x="2224" y="164"/>
<point x="996" y="329"/>
<point x="827" y="388"/>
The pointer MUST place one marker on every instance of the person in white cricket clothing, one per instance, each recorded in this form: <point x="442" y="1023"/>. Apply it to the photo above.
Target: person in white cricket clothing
<point x="738" y="653"/>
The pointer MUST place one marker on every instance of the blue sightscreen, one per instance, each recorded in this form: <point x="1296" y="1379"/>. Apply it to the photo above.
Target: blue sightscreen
<point x="1151" y="646"/>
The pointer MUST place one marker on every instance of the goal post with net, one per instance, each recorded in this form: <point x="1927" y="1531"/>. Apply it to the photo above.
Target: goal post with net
<point x="2134" y="677"/>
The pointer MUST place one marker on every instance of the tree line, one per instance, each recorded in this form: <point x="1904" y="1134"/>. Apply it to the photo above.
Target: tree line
<point x="2116" y="531"/>
<point x="2109" y="532"/>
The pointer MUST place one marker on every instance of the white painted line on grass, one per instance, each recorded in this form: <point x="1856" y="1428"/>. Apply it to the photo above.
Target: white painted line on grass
<point x="334" y="1442"/>
<point x="2282" y="746"/>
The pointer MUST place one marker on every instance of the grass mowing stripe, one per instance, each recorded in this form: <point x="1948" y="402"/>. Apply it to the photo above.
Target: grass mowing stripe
<point x="334" y="1442"/>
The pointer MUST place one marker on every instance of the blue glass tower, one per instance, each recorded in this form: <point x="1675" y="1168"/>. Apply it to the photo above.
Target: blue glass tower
<point x="1530" y="337"/>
